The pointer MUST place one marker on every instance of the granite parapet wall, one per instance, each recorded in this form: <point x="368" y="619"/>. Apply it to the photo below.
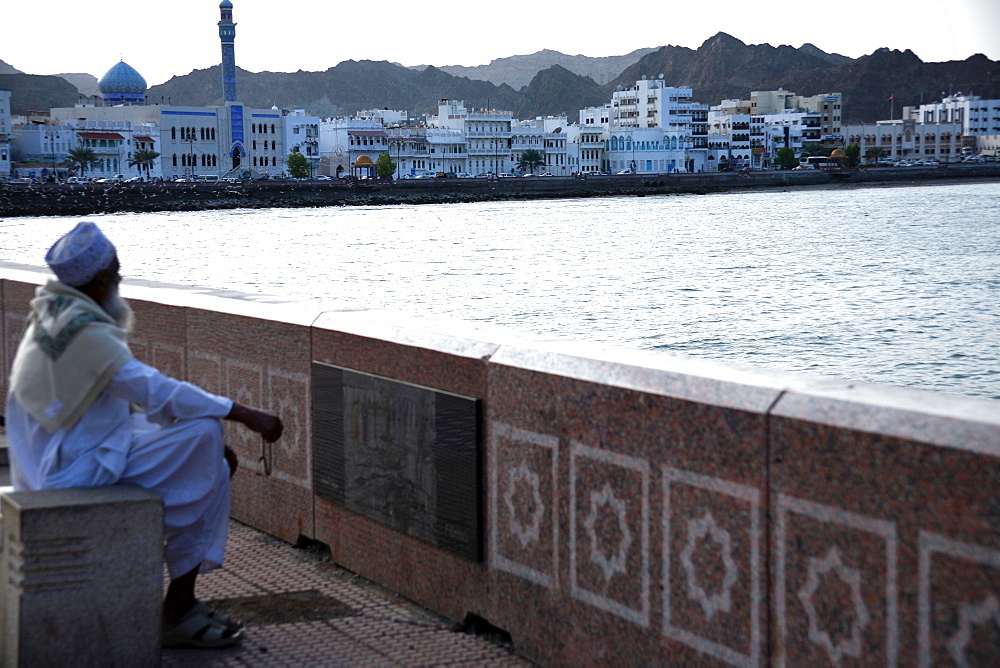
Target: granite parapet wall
<point x="637" y="508"/>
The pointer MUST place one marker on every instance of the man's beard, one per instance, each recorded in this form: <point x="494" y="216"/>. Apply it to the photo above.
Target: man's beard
<point x="119" y="310"/>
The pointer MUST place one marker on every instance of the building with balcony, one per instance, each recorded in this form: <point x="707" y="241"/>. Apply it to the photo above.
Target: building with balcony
<point x="488" y="135"/>
<point x="5" y="133"/>
<point x="908" y="139"/>
<point x="978" y="117"/>
<point x="828" y="106"/>
<point x="302" y="136"/>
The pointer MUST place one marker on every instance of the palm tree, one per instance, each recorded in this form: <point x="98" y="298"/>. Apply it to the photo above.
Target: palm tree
<point x="531" y="159"/>
<point x="144" y="159"/>
<point x="82" y="157"/>
<point x="876" y="153"/>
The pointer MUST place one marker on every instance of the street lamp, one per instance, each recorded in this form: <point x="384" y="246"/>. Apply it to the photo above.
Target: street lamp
<point x="51" y="136"/>
<point x="190" y="139"/>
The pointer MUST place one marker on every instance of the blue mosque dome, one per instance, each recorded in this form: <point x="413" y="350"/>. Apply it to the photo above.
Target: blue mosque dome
<point x="122" y="85"/>
<point x="225" y="4"/>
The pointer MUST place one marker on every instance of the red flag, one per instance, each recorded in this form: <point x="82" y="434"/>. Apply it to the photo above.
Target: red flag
<point x="892" y="98"/>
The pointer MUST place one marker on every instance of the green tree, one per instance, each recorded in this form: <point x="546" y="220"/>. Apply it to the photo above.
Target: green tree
<point x="298" y="165"/>
<point x="82" y="157"/>
<point x="876" y="153"/>
<point x="853" y="153"/>
<point x="810" y="150"/>
<point x="530" y="160"/>
<point x="786" y="158"/>
<point x="385" y="166"/>
<point x="144" y="159"/>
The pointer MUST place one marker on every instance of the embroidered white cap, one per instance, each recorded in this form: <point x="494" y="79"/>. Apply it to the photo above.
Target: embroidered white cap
<point x="80" y="255"/>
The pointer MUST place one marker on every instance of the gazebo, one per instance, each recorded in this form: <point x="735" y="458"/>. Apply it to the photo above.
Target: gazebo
<point x="363" y="167"/>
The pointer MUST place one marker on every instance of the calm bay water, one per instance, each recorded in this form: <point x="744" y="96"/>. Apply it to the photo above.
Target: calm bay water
<point x="895" y="285"/>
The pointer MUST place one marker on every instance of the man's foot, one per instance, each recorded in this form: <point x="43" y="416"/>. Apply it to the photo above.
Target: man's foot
<point x="202" y="628"/>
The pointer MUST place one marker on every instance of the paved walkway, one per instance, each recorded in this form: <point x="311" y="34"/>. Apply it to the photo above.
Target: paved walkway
<point x="300" y="609"/>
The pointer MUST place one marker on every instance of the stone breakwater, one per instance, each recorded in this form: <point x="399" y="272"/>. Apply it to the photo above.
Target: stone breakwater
<point x="57" y="199"/>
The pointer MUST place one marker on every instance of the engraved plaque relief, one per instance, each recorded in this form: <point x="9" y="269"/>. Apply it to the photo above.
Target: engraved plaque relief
<point x="400" y="454"/>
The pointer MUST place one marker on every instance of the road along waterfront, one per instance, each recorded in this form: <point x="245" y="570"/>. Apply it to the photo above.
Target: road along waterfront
<point x="894" y="285"/>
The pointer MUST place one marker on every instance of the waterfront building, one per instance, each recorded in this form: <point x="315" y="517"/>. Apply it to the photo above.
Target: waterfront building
<point x="652" y="151"/>
<point x="446" y="151"/>
<point x="978" y="117"/>
<point x="590" y="149"/>
<point x="351" y="146"/>
<point x="829" y="107"/>
<point x="302" y="136"/>
<point x="5" y="133"/>
<point x="791" y="128"/>
<point x="729" y="135"/>
<point x="488" y="134"/>
<point x="525" y="136"/>
<point x="596" y="116"/>
<point x="908" y="139"/>
<point x="409" y="149"/>
<point x="226" y="140"/>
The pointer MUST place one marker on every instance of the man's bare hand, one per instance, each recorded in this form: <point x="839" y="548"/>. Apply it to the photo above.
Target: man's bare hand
<point x="266" y="424"/>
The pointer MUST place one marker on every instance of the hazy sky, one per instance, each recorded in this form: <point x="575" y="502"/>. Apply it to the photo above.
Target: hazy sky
<point x="163" y="39"/>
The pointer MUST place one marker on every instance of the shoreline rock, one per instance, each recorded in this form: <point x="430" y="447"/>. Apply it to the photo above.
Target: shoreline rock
<point x="59" y="199"/>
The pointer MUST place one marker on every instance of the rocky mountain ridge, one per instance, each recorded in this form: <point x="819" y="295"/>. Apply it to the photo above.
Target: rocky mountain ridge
<point x="518" y="71"/>
<point x="723" y="67"/>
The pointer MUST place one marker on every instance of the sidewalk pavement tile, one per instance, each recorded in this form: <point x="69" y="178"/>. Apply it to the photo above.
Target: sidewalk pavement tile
<point x="300" y="609"/>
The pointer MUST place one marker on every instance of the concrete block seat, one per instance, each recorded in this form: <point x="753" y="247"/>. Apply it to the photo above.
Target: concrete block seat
<point x="81" y="577"/>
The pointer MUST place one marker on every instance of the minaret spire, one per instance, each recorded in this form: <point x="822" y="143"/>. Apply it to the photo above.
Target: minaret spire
<point x="227" y="35"/>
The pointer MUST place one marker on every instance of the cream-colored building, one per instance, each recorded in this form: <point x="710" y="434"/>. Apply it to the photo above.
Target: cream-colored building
<point x="908" y="140"/>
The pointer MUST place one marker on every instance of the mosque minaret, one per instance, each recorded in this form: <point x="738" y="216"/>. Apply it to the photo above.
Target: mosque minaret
<point x="227" y="35"/>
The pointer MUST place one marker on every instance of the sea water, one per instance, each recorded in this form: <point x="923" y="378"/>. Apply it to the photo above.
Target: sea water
<point x="896" y="285"/>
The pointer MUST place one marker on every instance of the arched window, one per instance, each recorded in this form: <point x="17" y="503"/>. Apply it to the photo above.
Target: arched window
<point x="175" y="159"/>
<point x="272" y="128"/>
<point x="274" y="146"/>
<point x="173" y="133"/>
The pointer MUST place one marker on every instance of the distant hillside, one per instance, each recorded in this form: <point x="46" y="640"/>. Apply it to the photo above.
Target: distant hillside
<point x="8" y="69"/>
<point x="518" y="71"/>
<point x="723" y="67"/>
<point x="349" y="87"/>
<point x="85" y="83"/>
<point x="33" y="92"/>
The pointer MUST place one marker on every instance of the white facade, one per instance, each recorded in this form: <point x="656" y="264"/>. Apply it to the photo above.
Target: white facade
<point x="488" y="135"/>
<point x="351" y="146"/>
<point x="908" y="139"/>
<point x="652" y="151"/>
<point x="230" y="140"/>
<point x="596" y="116"/>
<point x="302" y="136"/>
<point x="978" y="117"/>
<point x="5" y="133"/>
<point x="829" y="107"/>
<point x="114" y="143"/>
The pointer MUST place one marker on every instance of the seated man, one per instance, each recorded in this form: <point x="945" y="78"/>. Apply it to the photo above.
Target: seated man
<point x="82" y="412"/>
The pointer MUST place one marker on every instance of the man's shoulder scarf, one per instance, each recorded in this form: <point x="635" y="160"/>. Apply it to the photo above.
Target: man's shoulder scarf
<point x="70" y="351"/>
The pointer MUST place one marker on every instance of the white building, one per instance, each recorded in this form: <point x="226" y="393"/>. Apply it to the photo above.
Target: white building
<point x="978" y="117"/>
<point x="829" y="107"/>
<point x="230" y="140"/>
<point x="351" y="146"/>
<point x="41" y="149"/>
<point x="5" y="133"/>
<point x="488" y="135"/>
<point x="908" y="139"/>
<point x="302" y="136"/>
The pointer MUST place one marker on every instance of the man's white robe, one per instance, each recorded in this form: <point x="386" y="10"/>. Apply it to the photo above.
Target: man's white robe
<point x="174" y="448"/>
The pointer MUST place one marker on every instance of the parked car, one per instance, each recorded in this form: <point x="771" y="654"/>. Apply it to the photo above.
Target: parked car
<point x="78" y="179"/>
